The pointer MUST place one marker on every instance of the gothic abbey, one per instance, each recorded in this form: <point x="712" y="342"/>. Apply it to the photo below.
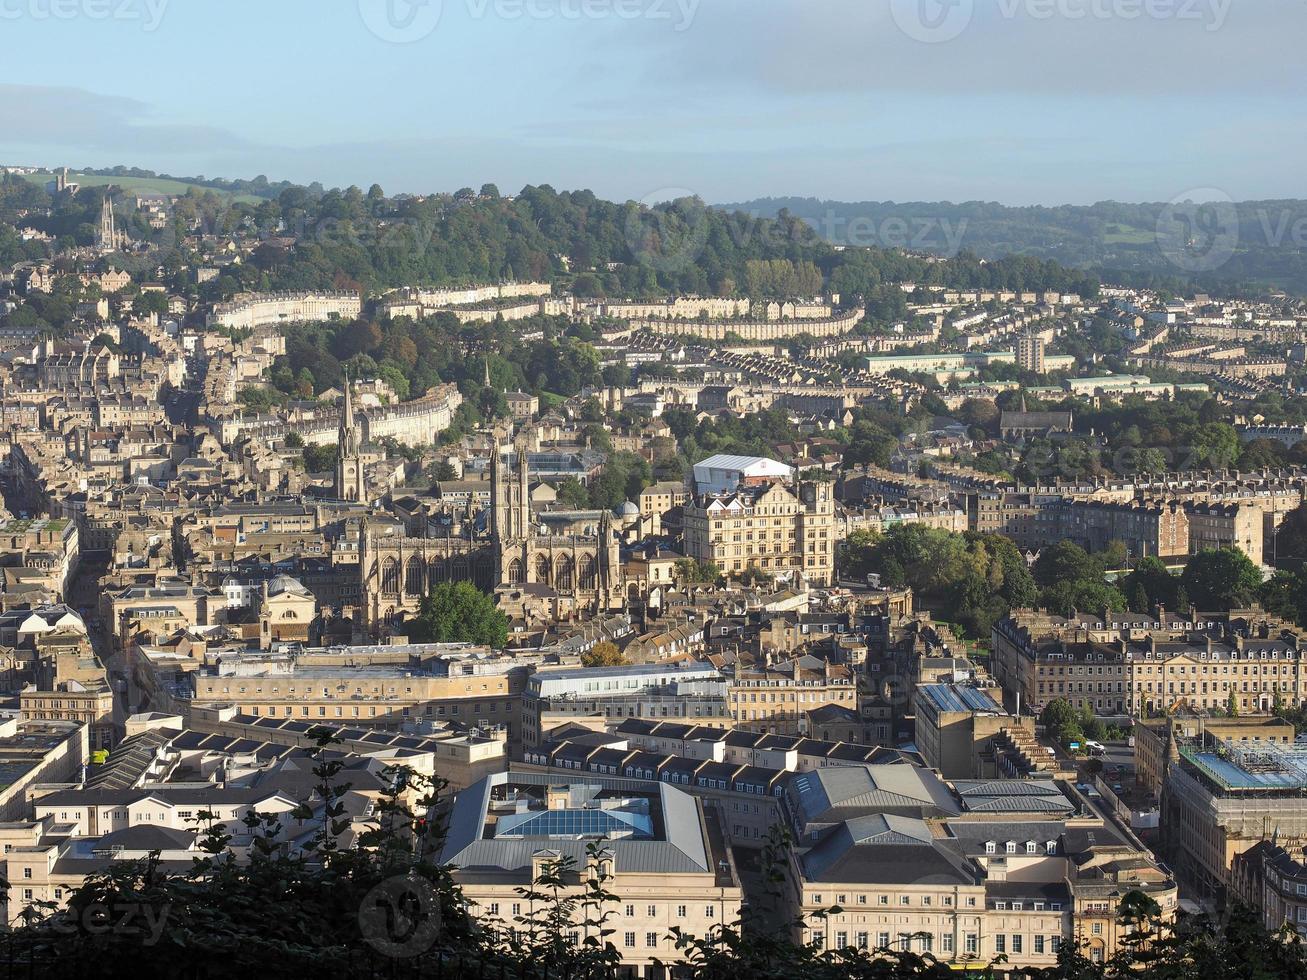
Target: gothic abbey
<point x="568" y="564"/>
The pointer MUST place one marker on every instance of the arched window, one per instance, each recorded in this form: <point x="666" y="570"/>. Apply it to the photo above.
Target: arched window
<point x="563" y="573"/>
<point x="589" y="573"/>
<point x="439" y="571"/>
<point x="413" y="576"/>
<point x="484" y="574"/>
<point x="516" y="573"/>
<point x="542" y="569"/>
<point x="390" y="577"/>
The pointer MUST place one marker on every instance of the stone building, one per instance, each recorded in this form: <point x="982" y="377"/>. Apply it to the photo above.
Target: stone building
<point x="573" y="565"/>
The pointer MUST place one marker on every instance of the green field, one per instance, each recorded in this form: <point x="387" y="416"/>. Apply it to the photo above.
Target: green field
<point x="1130" y="236"/>
<point x="142" y="185"/>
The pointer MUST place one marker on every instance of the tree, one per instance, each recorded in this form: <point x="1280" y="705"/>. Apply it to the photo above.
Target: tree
<point x="441" y="471"/>
<point x="1221" y="580"/>
<point x="1061" y="719"/>
<point x="459" y="612"/>
<point x="319" y="459"/>
<point x="1154" y="581"/>
<point x="1232" y="705"/>
<point x="572" y="493"/>
<point x="1291" y="539"/>
<point x="604" y="654"/>
<point x="1065" y="562"/>
<point x="690" y="571"/>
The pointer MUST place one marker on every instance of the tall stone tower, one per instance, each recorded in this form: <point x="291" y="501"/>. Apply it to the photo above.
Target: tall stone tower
<point x="350" y="480"/>
<point x="107" y="238"/>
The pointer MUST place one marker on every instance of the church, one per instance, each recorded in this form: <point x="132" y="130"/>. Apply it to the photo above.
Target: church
<point x="565" y="564"/>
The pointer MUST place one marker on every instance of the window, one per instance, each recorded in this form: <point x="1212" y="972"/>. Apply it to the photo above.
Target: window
<point x="972" y="944"/>
<point x="494" y="908"/>
<point x="651" y="940"/>
<point x="630" y="911"/>
<point x="841" y="940"/>
<point x="1016" y="943"/>
<point x="1031" y="848"/>
<point x="1039" y="945"/>
<point x="1096" y="928"/>
<point x="863" y="940"/>
<point x="629" y="940"/>
<point x="946" y="943"/>
<point x="1000" y="943"/>
<point x="680" y="911"/>
<point x="905" y="900"/>
<point x="990" y="847"/>
<point x="1011" y="847"/>
<point x="883" y="900"/>
<point x="27" y="872"/>
<point x="1054" y="944"/>
<point x="652" y="911"/>
<point x="709" y="911"/>
<point x="882" y="940"/>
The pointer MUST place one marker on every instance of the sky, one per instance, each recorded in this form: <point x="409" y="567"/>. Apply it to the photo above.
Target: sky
<point x="1016" y="101"/>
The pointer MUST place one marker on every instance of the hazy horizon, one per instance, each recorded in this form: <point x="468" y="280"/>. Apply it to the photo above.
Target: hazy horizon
<point x="1013" y="101"/>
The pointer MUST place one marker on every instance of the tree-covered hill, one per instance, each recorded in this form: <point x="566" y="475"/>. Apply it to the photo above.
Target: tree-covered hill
<point x="1219" y="247"/>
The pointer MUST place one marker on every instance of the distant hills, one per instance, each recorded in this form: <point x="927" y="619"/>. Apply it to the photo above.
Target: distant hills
<point x="1221" y="246"/>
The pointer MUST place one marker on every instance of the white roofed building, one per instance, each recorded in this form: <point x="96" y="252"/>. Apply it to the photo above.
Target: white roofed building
<point x="722" y="473"/>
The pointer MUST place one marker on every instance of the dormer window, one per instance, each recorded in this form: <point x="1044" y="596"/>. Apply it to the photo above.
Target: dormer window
<point x="1050" y="847"/>
<point x="1011" y="847"/>
<point x="991" y="847"/>
<point x="1030" y="847"/>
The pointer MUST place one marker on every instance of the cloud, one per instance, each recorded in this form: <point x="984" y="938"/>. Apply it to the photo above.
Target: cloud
<point x="83" y="121"/>
<point x="1186" y="48"/>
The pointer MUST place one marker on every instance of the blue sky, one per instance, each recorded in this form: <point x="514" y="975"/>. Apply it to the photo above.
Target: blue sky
<point x="1019" y="101"/>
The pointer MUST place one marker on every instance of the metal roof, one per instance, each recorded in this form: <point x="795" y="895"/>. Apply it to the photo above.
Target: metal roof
<point x="679" y="849"/>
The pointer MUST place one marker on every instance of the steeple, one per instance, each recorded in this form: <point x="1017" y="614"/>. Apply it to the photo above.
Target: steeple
<point x="348" y="435"/>
<point x="351" y="482"/>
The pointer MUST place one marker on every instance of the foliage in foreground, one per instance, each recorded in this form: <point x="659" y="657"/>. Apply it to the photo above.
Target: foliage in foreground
<point x="381" y="904"/>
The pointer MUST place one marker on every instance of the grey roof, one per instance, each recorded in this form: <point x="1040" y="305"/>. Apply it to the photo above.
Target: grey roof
<point x="1012" y="796"/>
<point x="843" y="792"/>
<point x="970" y="837"/>
<point x="885" y="849"/>
<point x="682" y="849"/>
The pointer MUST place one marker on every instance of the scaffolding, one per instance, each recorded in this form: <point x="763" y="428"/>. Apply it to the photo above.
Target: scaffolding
<point x="1254" y="765"/>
